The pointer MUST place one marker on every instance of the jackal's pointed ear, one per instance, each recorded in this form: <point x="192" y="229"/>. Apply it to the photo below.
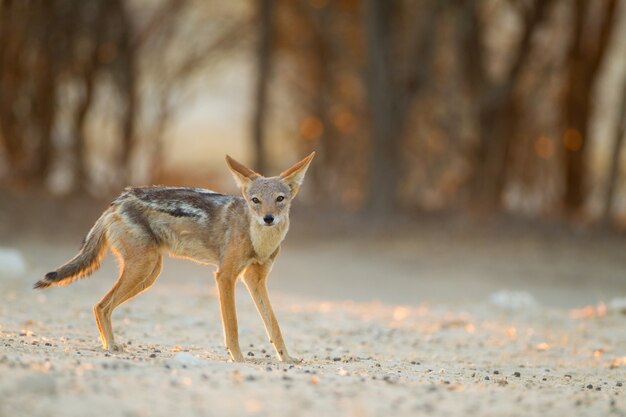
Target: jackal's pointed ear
<point x="242" y="174"/>
<point x="295" y="175"/>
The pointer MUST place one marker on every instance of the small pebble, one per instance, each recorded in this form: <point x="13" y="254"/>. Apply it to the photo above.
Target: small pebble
<point x="589" y="386"/>
<point x="496" y="372"/>
<point x="619" y="384"/>
<point x="517" y="374"/>
<point x="153" y="355"/>
<point x="487" y="378"/>
<point x="250" y="354"/>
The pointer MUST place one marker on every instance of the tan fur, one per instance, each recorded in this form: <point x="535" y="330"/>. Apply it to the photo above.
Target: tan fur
<point x="233" y="233"/>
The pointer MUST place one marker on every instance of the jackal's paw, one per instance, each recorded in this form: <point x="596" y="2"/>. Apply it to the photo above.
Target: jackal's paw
<point x="116" y="348"/>
<point x="235" y="357"/>
<point x="289" y="360"/>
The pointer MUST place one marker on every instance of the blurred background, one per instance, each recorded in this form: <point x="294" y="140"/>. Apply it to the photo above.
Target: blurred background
<point x="482" y="138"/>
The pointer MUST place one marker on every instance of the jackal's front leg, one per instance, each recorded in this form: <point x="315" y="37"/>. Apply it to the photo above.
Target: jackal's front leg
<point x="226" y="290"/>
<point x="255" y="278"/>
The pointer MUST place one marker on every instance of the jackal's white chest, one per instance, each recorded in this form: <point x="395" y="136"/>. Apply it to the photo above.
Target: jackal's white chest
<point x="265" y="239"/>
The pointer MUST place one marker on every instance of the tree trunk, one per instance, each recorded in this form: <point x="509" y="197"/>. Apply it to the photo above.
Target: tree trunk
<point x="80" y="131"/>
<point x="576" y="113"/>
<point x="12" y="39"/>
<point x="381" y="196"/>
<point x="584" y="59"/>
<point x="325" y="171"/>
<point x="45" y="118"/>
<point x="498" y="122"/>
<point x="575" y="141"/>
<point x="264" y="72"/>
<point x="88" y="79"/>
<point x="495" y="101"/>
<point x="129" y="86"/>
<point x="614" y="170"/>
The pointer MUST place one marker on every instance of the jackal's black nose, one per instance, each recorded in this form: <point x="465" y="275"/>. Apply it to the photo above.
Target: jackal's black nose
<point x="268" y="219"/>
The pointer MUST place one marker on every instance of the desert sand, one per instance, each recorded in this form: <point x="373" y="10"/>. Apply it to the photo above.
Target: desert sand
<point x="399" y="327"/>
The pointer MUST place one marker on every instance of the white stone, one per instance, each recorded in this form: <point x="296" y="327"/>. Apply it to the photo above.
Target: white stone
<point x="12" y="262"/>
<point x="513" y="300"/>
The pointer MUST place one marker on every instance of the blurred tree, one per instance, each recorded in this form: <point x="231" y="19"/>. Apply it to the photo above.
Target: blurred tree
<point x="384" y="113"/>
<point x="320" y="48"/>
<point x="60" y="59"/>
<point x="263" y="78"/>
<point x="49" y="45"/>
<point x="494" y="99"/>
<point x="171" y="65"/>
<point x="391" y="88"/>
<point x="126" y="79"/>
<point x="26" y="140"/>
<point x="590" y="36"/>
<point x="409" y="103"/>
<point x="616" y="157"/>
<point x="402" y="54"/>
<point x="87" y="66"/>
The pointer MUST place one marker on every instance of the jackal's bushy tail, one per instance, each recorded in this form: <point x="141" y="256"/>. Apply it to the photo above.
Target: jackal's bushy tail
<point x="84" y="263"/>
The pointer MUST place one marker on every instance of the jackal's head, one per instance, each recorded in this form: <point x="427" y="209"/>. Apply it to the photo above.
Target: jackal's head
<point x="269" y="198"/>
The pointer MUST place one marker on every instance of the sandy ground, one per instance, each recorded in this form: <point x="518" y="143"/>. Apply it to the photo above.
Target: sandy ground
<point x="398" y="326"/>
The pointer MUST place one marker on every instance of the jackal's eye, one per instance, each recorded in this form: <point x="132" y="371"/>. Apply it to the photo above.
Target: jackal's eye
<point x="280" y="198"/>
<point x="255" y="200"/>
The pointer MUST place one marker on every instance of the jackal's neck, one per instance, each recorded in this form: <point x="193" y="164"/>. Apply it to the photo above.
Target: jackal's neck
<point x="266" y="239"/>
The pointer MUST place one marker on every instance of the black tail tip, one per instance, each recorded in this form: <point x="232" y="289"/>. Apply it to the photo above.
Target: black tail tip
<point x="47" y="281"/>
<point x="40" y="284"/>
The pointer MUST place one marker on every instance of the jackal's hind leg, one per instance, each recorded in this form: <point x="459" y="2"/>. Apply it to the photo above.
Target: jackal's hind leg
<point x="140" y="267"/>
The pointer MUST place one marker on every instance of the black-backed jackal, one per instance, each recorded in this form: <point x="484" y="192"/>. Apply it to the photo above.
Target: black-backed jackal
<point x="241" y="235"/>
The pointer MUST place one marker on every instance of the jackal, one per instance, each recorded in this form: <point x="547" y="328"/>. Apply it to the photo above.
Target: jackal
<point x="240" y="235"/>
